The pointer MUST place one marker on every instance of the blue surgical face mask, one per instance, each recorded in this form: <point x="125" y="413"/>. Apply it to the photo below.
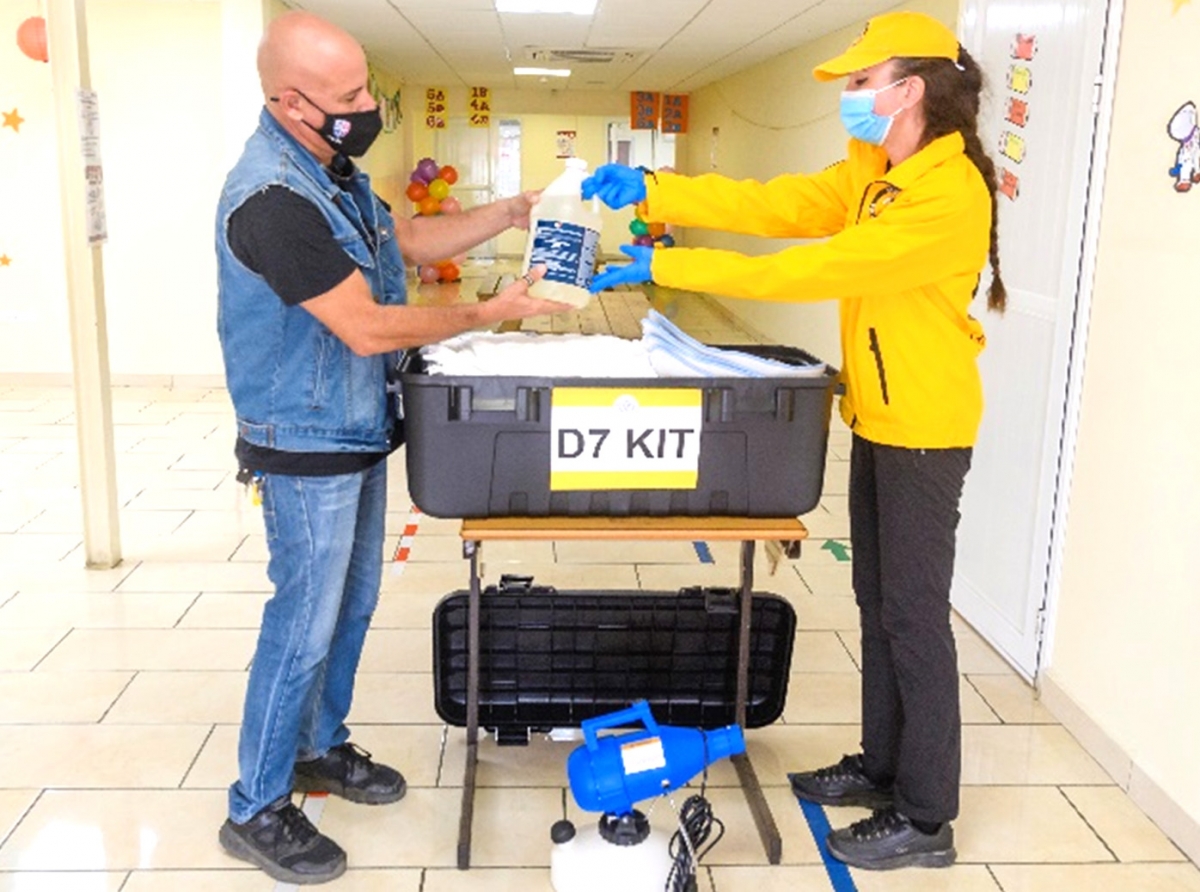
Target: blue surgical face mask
<point x="859" y="118"/>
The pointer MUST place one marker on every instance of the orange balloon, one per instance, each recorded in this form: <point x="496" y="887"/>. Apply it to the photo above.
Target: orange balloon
<point x="416" y="191"/>
<point x="450" y="272"/>
<point x="449" y="174"/>
<point x="428" y="206"/>
<point x="31" y="39"/>
<point x="642" y="211"/>
<point x="657" y="230"/>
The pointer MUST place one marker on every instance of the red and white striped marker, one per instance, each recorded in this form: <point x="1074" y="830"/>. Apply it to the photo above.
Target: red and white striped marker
<point x="400" y="556"/>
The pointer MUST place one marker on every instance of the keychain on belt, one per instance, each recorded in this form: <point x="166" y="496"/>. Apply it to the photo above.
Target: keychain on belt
<point x="253" y="482"/>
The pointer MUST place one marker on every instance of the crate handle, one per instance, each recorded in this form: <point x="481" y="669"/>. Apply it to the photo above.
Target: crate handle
<point x="785" y="404"/>
<point x="720" y="404"/>
<point x="528" y="404"/>
<point x="460" y="403"/>
<point x="639" y="711"/>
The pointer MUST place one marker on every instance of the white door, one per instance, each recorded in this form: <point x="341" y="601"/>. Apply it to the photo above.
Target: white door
<point x="1043" y="64"/>
<point x="469" y="150"/>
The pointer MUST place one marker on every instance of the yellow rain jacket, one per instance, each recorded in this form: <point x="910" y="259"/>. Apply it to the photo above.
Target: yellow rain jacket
<point x="903" y="258"/>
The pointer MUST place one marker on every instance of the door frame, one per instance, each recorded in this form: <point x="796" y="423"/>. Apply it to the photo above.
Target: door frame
<point x="1104" y="106"/>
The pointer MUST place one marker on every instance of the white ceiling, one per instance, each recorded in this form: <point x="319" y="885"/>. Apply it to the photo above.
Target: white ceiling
<point x="663" y="45"/>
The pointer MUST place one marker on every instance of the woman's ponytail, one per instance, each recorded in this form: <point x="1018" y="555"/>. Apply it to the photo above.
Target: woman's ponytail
<point x="951" y="104"/>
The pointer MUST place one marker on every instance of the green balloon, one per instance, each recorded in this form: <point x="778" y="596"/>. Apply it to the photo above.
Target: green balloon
<point x="639" y="227"/>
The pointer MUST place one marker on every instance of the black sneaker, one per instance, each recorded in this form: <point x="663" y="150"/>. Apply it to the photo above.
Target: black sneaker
<point x="348" y="771"/>
<point x="888" y="840"/>
<point x="285" y="844"/>
<point x="842" y="784"/>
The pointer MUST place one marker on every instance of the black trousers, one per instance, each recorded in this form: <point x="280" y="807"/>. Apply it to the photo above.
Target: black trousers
<point x="903" y="518"/>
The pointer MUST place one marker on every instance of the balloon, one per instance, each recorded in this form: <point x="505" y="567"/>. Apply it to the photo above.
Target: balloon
<point x="428" y="206"/>
<point x="31" y="39"/>
<point x="642" y="211"/>
<point x="449" y="174"/>
<point x="439" y="188"/>
<point x="644" y="240"/>
<point x="429" y="274"/>
<point x="416" y="177"/>
<point x="638" y="227"/>
<point x="667" y="241"/>
<point x="450" y="205"/>
<point x="428" y="169"/>
<point x="416" y="191"/>
<point x="450" y="272"/>
<point x="657" y="230"/>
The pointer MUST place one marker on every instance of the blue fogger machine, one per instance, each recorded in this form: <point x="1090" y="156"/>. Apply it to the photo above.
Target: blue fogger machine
<point x="609" y="774"/>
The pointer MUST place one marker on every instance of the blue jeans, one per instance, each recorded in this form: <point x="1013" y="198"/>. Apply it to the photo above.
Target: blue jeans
<point x="325" y="537"/>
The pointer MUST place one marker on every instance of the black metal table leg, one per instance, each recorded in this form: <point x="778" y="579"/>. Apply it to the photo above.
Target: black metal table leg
<point x="768" y="832"/>
<point x="470" y="550"/>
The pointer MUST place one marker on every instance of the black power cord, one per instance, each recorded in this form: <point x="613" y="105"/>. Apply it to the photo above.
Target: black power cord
<point x="697" y="820"/>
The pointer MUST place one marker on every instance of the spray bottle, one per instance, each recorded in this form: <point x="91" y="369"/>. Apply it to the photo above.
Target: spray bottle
<point x="564" y="234"/>
<point x="609" y="775"/>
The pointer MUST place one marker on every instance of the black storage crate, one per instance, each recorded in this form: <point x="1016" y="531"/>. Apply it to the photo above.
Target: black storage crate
<point x="550" y="659"/>
<point x="480" y="446"/>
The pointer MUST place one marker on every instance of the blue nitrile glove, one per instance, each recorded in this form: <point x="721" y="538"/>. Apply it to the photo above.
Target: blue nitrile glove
<point x="631" y="274"/>
<point x="617" y="185"/>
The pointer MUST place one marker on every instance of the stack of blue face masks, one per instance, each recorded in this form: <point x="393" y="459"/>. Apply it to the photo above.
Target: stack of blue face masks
<point x="677" y="355"/>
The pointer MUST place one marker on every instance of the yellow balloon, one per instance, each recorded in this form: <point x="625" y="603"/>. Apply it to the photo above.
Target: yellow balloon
<point x="439" y="188"/>
<point x="642" y="211"/>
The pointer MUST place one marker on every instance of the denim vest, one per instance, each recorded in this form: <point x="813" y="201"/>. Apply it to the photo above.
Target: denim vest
<point x="295" y="386"/>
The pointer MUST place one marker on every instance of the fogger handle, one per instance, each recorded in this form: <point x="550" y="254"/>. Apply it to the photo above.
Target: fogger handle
<point x="639" y="711"/>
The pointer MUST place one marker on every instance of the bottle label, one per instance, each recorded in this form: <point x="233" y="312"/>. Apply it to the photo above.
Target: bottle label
<point x="567" y="249"/>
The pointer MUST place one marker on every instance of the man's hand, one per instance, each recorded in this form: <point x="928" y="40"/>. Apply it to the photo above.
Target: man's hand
<point x="515" y="302"/>
<point x="617" y="185"/>
<point x="631" y="274"/>
<point x="520" y="206"/>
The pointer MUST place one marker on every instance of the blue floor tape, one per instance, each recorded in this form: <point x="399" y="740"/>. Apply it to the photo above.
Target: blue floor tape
<point x="703" y="553"/>
<point x="818" y="824"/>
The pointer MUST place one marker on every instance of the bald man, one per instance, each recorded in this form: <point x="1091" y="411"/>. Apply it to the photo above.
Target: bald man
<point x="312" y="319"/>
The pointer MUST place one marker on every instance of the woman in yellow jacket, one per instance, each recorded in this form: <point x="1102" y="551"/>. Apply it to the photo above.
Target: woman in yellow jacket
<point x="909" y="218"/>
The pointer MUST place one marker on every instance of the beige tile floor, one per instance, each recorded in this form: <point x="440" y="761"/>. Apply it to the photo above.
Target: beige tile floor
<point x="121" y="689"/>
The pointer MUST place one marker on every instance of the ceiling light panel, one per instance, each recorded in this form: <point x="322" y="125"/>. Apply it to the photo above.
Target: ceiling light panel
<point x="542" y="72"/>
<point x="572" y="7"/>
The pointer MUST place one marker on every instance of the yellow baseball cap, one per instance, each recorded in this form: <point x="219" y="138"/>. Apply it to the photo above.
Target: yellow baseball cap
<point x="911" y="35"/>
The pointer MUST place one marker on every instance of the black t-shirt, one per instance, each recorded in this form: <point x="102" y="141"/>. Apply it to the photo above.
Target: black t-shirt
<point x="285" y="239"/>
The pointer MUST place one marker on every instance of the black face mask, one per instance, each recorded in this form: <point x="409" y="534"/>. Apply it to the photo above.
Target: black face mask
<point x="350" y="133"/>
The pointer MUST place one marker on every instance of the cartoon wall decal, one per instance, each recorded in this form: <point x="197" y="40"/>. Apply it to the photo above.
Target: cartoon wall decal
<point x="1184" y="128"/>
<point x="1018" y="111"/>
<point x="1024" y="47"/>
<point x="1012" y="147"/>
<point x="1020" y="79"/>
<point x="1009" y="184"/>
<point x="12" y="119"/>
<point x="5" y="260"/>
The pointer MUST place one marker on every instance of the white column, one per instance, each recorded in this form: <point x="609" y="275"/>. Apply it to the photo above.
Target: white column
<point x="67" y="37"/>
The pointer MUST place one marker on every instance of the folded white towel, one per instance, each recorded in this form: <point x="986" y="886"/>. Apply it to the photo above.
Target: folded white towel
<point x="676" y="354"/>
<point x="529" y="354"/>
<point x="664" y="351"/>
